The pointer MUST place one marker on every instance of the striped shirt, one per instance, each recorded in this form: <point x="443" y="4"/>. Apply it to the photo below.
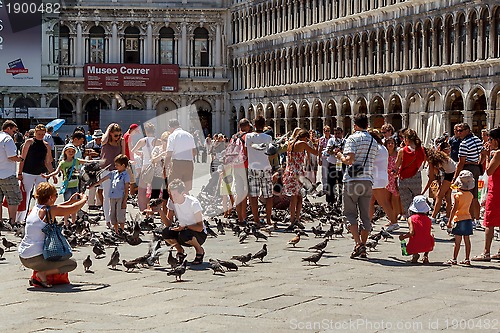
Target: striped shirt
<point x="470" y="148"/>
<point x="359" y="143"/>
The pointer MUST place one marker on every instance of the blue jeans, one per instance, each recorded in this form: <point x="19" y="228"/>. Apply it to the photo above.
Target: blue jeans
<point x="69" y="192"/>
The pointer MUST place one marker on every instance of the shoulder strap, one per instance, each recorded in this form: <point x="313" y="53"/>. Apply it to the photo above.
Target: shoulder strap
<point x="368" y="152"/>
<point x="48" y="215"/>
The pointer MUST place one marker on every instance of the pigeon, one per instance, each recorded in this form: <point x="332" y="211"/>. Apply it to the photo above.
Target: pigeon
<point x="371" y="244"/>
<point x="129" y="264"/>
<point x="228" y="264"/>
<point x="259" y="235"/>
<point x="115" y="259"/>
<point x="243" y="237"/>
<point x="87" y="263"/>
<point x="261" y="253"/>
<point x="330" y="232"/>
<point x="7" y="244"/>
<point x="339" y="231"/>
<point x="259" y="146"/>
<point x="1" y="254"/>
<point x="171" y="260"/>
<point x="216" y="266"/>
<point x="220" y="227"/>
<point x="209" y="230"/>
<point x="178" y="271"/>
<point x="320" y="246"/>
<point x="294" y="240"/>
<point x="243" y="259"/>
<point x="314" y="258"/>
<point x="98" y="251"/>
<point x="301" y="232"/>
<point x="317" y="232"/>
<point x="269" y="229"/>
<point x="376" y="237"/>
<point x="386" y="235"/>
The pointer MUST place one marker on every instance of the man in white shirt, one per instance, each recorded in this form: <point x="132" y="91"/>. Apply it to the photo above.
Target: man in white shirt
<point x="259" y="170"/>
<point x="335" y="168"/>
<point x="9" y="186"/>
<point x="181" y="150"/>
<point x="191" y="230"/>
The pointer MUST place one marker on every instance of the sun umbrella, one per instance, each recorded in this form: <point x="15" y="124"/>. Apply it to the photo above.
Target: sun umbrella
<point x="56" y="124"/>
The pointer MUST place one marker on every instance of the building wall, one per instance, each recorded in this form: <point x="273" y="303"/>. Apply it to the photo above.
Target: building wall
<point x="422" y="64"/>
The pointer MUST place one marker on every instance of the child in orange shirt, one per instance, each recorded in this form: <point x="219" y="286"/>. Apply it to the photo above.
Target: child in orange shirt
<point x="461" y="216"/>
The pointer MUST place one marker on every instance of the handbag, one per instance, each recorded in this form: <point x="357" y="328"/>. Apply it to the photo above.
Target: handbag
<point x="22" y="205"/>
<point x="357" y="170"/>
<point x="55" y="245"/>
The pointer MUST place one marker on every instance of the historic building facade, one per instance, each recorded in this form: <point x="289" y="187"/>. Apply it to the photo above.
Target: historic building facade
<point x="420" y="64"/>
<point x="153" y="32"/>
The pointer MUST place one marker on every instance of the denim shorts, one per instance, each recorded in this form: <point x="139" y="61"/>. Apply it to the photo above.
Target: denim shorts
<point x="462" y="228"/>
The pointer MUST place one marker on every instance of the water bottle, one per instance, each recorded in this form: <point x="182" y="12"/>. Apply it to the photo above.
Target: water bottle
<point x="403" y="248"/>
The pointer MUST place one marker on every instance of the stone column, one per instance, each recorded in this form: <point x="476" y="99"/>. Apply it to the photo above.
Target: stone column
<point x="457" y="43"/>
<point x="481" y="52"/>
<point x="79" y="110"/>
<point x="149" y="44"/>
<point x="114" y="104"/>
<point x="218" y="115"/>
<point x="468" y="117"/>
<point x="149" y="102"/>
<point x="114" y="57"/>
<point x="404" y="119"/>
<point x="79" y="49"/>
<point x="301" y="16"/>
<point x="425" y="46"/>
<point x="218" y="45"/>
<point x="445" y="122"/>
<point x="183" y="44"/>
<point x="468" y="41"/>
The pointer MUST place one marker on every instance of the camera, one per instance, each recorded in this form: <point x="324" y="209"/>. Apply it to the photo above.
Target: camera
<point x="155" y="202"/>
<point x="336" y="145"/>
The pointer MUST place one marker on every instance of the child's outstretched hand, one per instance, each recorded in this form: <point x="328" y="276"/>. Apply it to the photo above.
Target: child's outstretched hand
<point x="44" y="175"/>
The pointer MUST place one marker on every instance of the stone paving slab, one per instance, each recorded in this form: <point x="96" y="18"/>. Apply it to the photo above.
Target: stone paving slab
<point x="282" y="294"/>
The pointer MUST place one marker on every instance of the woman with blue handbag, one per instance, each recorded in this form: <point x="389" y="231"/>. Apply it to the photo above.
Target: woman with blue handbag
<point x="41" y="231"/>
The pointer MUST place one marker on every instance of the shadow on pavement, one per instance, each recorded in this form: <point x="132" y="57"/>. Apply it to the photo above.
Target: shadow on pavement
<point x="71" y="288"/>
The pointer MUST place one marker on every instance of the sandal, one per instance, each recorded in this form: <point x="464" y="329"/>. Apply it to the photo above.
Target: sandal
<point x="450" y="262"/>
<point x="482" y="257"/>
<point x="180" y="257"/>
<point x="425" y="261"/>
<point x="465" y="262"/>
<point x="415" y="258"/>
<point x="39" y="284"/>
<point x="496" y="256"/>
<point x="198" y="260"/>
<point x="358" y="250"/>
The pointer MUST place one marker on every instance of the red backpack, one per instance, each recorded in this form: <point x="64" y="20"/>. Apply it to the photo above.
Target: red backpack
<point x="235" y="151"/>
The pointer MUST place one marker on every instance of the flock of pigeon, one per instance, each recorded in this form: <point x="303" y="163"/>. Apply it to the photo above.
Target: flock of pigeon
<point x="328" y="224"/>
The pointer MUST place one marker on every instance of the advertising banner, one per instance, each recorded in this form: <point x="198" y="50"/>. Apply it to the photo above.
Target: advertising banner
<point x="131" y="77"/>
<point x="21" y="43"/>
<point x="42" y="113"/>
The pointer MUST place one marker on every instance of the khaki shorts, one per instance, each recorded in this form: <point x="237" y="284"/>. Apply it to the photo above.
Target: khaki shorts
<point x="38" y="263"/>
<point x="9" y="188"/>
<point x="117" y="213"/>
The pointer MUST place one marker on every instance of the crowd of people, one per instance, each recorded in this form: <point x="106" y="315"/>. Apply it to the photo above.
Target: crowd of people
<point x="256" y="166"/>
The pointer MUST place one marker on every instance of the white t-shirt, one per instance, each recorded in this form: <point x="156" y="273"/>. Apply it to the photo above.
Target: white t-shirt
<point x="7" y="149"/>
<point x="181" y="144"/>
<point x="380" y="168"/>
<point x="257" y="159"/>
<point x="186" y="211"/>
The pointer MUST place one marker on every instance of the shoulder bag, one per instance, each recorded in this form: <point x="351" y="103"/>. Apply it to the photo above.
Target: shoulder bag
<point x="356" y="170"/>
<point x="55" y="245"/>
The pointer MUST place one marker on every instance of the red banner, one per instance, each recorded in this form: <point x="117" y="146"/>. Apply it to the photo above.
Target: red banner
<point x="131" y="77"/>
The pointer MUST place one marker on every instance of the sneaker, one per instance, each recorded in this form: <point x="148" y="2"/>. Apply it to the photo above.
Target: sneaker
<point x="433" y="220"/>
<point x="445" y="219"/>
<point x="392" y="227"/>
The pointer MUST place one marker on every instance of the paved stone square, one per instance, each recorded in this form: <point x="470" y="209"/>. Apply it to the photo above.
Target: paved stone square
<point x="282" y="294"/>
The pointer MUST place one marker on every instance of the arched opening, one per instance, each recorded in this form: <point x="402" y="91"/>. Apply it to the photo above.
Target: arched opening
<point x="64" y="46"/>
<point x="318" y="116"/>
<point x="330" y="114"/>
<point x="241" y="113"/>
<point x="201" y="48"/>
<point x="478" y="108"/>
<point x="132" y="54"/>
<point x="292" y="116"/>
<point x="97" y="46"/>
<point x="455" y="108"/>
<point x="394" y="110"/>
<point x="269" y="115"/>
<point x="93" y="112"/>
<point x="281" y="127"/>
<point x="345" y="112"/>
<point x="165" y="106"/>
<point x="204" y="112"/>
<point x="66" y="110"/>
<point x="251" y="113"/>
<point x="166" y="45"/>
<point x="304" y="121"/>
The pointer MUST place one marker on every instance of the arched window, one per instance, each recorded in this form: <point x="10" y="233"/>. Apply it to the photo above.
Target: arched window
<point x="474" y="43"/>
<point x="450" y="45"/>
<point x="400" y="42"/>
<point x="392" y="53"/>
<point x="496" y="25"/>
<point x="485" y="29"/>
<point x="166" y="46"/>
<point x="429" y="42"/>
<point x="409" y="47"/>
<point x="373" y="54"/>
<point x="64" y="46"/>
<point x="418" y="46"/>
<point x="438" y="30"/>
<point x="462" y="32"/>
<point x="132" y="54"/>
<point x="382" y="52"/>
<point x="97" y="46"/>
<point x="200" y="47"/>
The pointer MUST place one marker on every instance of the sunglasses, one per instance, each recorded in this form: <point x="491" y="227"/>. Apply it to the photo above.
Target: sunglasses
<point x="459" y="130"/>
<point x="117" y="135"/>
<point x="327" y="131"/>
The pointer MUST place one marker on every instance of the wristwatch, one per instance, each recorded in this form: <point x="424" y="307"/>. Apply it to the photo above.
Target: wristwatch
<point x="22" y="159"/>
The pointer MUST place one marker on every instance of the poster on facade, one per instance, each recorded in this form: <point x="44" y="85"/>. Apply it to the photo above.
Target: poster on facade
<point x="21" y="43"/>
<point x="131" y="77"/>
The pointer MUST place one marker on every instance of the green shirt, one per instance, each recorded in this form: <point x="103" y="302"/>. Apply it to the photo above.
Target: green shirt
<point x="65" y="168"/>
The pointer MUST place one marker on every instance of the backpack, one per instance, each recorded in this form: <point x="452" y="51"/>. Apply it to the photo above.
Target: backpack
<point x="235" y="152"/>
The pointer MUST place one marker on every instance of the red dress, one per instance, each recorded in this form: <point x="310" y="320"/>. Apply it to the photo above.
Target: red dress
<point x="492" y="208"/>
<point x="294" y="169"/>
<point x="422" y="239"/>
